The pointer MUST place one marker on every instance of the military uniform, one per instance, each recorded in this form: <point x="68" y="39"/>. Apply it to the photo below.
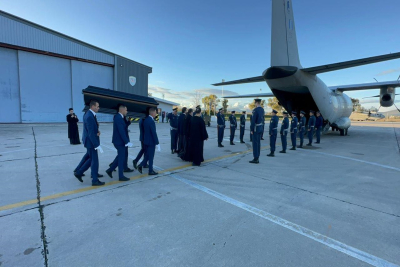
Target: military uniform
<point x="173" y="123"/>
<point x="302" y="128"/>
<point x="251" y="135"/>
<point x="256" y="127"/>
<point x="284" y="132"/>
<point x="293" y="130"/>
<point x="242" y="126"/>
<point x="263" y="128"/>
<point x="233" y="122"/>
<point x="221" y="127"/>
<point x="273" y="132"/>
<point x="318" y="127"/>
<point x="311" y="127"/>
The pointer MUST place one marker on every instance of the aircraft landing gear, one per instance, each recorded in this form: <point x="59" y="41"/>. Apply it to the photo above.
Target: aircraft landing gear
<point x="341" y="132"/>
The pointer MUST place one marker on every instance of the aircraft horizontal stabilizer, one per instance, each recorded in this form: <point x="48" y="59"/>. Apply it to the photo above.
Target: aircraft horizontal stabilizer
<point x="247" y="80"/>
<point x="251" y="96"/>
<point x="351" y="63"/>
<point x="365" y="86"/>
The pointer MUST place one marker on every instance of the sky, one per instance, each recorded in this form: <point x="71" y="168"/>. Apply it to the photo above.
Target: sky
<point x="192" y="44"/>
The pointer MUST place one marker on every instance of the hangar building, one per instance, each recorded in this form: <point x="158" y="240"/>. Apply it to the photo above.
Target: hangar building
<point x="43" y="72"/>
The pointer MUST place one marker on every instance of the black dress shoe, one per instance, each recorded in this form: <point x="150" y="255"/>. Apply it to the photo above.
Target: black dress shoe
<point x="140" y="169"/>
<point x="97" y="183"/>
<point x="135" y="164"/>
<point x="232" y="143"/>
<point x="193" y="164"/>
<point x="153" y="173"/>
<point x="124" y="179"/>
<point x="317" y="142"/>
<point x="172" y="151"/>
<point x="255" y="161"/>
<point x="242" y="142"/>
<point x="109" y="173"/>
<point x="283" y="151"/>
<point x="79" y="177"/>
<point x="271" y="154"/>
<point x="300" y="146"/>
<point x="309" y="144"/>
<point x="262" y="138"/>
<point x="100" y="175"/>
<point x="293" y="148"/>
<point x="220" y="145"/>
<point x="147" y="166"/>
<point x="128" y="170"/>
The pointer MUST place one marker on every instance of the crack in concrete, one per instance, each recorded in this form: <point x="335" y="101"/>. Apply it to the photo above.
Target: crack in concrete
<point x="61" y="155"/>
<point x="318" y="194"/>
<point x="14" y="159"/>
<point x="45" y="250"/>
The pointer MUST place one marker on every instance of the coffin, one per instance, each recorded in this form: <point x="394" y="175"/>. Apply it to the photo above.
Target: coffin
<point x="109" y="100"/>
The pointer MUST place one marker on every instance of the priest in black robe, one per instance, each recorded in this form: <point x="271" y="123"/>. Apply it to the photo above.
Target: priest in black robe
<point x="185" y="154"/>
<point x="73" y="132"/>
<point x="198" y="134"/>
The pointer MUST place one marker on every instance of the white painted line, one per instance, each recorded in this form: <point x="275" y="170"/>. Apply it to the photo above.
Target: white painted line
<point x="327" y="241"/>
<point x="358" y="160"/>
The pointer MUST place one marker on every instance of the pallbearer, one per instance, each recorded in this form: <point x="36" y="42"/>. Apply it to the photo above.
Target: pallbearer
<point x="233" y="122"/>
<point x="311" y="126"/>
<point x="318" y="127"/>
<point x="284" y="131"/>
<point x="173" y="123"/>
<point x="302" y="127"/>
<point x="273" y="132"/>
<point x="242" y="126"/>
<point x="221" y="126"/>
<point x="293" y="129"/>
<point x="256" y="129"/>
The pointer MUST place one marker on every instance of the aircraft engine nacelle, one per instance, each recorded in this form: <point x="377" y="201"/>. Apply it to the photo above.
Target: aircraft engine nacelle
<point x="387" y="96"/>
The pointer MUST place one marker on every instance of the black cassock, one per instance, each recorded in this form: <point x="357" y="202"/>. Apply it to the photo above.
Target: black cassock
<point x="185" y="154"/>
<point x="73" y="133"/>
<point x="198" y="134"/>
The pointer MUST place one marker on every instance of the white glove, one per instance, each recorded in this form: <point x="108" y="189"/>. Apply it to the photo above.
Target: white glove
<point x="129" y="144"/>
<point x="99" y="149"/>
<point x="158" y="148"/>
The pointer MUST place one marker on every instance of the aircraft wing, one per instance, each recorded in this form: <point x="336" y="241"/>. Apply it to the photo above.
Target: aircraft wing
<point x="247" y="80"/>
<point x="365" y="86"/>
<point x="351" y="63"/>
<point x="251" y="96"/>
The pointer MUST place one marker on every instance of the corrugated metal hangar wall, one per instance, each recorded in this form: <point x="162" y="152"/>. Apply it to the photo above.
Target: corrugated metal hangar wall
<point x="42" y="73"/>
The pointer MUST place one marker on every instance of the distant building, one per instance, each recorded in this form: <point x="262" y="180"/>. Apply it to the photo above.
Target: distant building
<point x="165" y="105"/>
<point x="43" y="72"/>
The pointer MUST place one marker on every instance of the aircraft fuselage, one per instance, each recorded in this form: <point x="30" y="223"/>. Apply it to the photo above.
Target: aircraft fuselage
<point x="297" y="90"/>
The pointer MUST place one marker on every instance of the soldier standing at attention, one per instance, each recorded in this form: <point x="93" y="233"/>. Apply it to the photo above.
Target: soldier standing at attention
<point x="311" y="126"/>
<point x="256" y="129"/>
<point x="242" y="126"/>
<point x="220" y="126"/>
<point x="273" y="132"/>
<point x="302" y="127"/>
<point x="173" y="123"/>
<point x="318" y="126"/>
<point x="232" y="120"/>
<point x="284" y="131"/>
<point x="293" y="130"/>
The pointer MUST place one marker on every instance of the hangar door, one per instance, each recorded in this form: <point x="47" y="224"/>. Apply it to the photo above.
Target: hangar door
<point x="9" y="88"/>
<point x="45" y="87"/>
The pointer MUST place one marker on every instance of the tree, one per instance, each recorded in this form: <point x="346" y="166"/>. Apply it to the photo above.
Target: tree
<point x="274" y="104"/>
<point x="150" y="94"/>
<point x="356" y="104"/>
<point x="197" y="98"/>
<point x="252" y="105"/>
<point x="210" y="103"/>
<point x="373" y="109"/>
<point x="225" y="105"/>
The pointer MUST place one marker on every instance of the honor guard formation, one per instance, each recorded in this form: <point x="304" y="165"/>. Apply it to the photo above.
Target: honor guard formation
<point x="188" y="133"/>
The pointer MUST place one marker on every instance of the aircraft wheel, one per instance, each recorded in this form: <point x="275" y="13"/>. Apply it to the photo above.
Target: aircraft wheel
<point x="341" y="132"/>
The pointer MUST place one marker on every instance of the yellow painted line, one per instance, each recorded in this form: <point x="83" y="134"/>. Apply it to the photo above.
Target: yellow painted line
<point x="90" y="188"/>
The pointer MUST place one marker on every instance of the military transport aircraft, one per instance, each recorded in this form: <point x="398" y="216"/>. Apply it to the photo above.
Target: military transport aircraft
<point x="298" y="88"/>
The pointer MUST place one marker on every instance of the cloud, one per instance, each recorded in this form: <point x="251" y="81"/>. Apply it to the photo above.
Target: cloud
<point x="386" y="72"/>
<point x="236" y="104"/>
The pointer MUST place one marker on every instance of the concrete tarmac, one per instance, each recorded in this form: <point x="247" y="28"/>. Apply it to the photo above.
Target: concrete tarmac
<point x="333" y="204"/>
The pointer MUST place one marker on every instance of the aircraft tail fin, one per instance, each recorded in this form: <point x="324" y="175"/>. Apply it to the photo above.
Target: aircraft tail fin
<point x="284" y="50"/>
